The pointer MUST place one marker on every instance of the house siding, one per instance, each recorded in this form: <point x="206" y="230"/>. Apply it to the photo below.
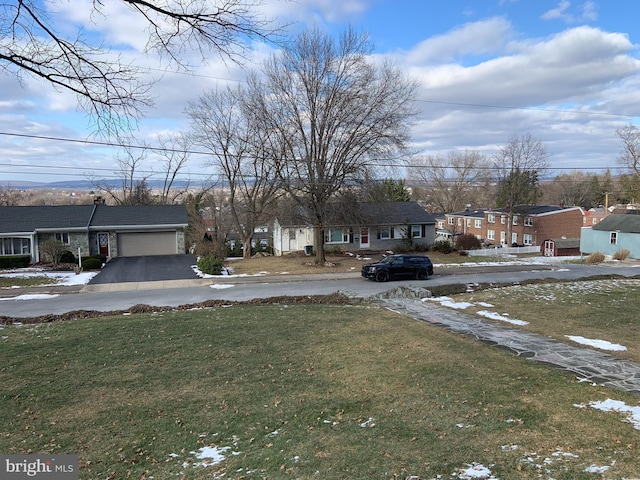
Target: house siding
<point x="592" y="241"/>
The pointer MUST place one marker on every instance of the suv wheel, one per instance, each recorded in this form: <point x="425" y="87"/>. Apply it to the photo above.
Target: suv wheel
<point x="421" y="275"/>
<point x="382" y="276"/>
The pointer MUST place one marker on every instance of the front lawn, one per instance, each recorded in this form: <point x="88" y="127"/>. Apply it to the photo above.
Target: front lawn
<point x="601" y="310"/>
<point x="301" y="392"/>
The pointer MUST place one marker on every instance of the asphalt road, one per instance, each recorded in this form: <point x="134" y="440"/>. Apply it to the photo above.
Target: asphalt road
<point x="242" y="289"/>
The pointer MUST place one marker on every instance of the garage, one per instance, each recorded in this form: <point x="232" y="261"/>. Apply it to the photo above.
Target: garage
<point x="134" y="244"/>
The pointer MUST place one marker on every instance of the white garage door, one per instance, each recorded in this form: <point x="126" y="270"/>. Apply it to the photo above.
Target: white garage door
<point x="147" y="243"/>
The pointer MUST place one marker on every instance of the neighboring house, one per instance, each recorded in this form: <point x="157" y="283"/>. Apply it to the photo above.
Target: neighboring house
<point x="114" y="231"/>
<point x="465" y="222"/>
<point x="374" y="226"/>
<point x="593" y="216"/>
<point x="616" y="232"/>
<point x="530" y="225"/>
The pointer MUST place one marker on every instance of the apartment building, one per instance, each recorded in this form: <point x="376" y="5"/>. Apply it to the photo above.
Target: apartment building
<point x="529" y="224"/>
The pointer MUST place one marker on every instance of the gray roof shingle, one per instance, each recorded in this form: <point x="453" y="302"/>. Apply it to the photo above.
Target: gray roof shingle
<point x="628" y="223"/>
<point x="74" y="217"/>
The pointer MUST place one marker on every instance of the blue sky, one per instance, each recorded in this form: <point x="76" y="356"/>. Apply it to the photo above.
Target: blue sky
<point x="567" y="72"/>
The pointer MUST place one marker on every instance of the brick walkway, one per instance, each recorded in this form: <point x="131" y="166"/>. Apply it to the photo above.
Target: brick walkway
<point x="596" y="367"/>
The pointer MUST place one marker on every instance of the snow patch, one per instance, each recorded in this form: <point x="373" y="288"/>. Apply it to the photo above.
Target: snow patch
<point x="33" y="296"/>
<point x="476" y="471"/>
<point x="502" y="318"/>
<point x="448" y="302"/>
<point x="632" y="413"/>
<point x="220" y="286"/>
<point x="601" y="344"/>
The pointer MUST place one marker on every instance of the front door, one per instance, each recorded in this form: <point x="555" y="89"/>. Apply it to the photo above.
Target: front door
<point x="103" y="244"/>
<point x="364" y="238"/>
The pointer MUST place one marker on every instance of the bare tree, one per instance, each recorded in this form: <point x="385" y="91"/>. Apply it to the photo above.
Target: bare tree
<point x="575" y="188"/>
<point x="223" y="123"/>
<point x="131" y="186"/>
<point x="175" y="154"/>
<point x="450" y="182"/>
<point x="630" y="154"/>
<point x="334" y="114"/>
<point x="8" y="196"/>
<point x="107" y="87"/>
<point x="518" y="166"/>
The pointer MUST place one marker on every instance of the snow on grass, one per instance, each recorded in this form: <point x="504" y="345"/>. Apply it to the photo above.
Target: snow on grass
<point x="632" y="413"/>
<point x="210" y="455"/>
<point x="221" y="286"/>
<point x="61" y="278"/>
<point x="601" y="344"/>
<point x="38" y="296"/>
<point x="476" y="471"/>
<point x="501" y="318"/>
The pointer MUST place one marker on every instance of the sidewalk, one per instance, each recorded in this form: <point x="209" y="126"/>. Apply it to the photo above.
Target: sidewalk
<point x="588" y="365"/>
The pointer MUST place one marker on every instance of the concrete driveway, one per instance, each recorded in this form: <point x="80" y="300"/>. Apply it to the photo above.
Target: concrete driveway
<point x="146" y="269"/>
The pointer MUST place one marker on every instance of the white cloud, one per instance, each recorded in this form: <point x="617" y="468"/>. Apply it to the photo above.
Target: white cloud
<point x="487" y="36"/>
<point x="588" y="12"/>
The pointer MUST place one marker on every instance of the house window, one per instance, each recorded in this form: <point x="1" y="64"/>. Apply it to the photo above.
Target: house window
<point x="460" y="222"/>
<point x="336" y="236"/>
<point x="503" y="219"/>
<point x="15" y="246"/>
<point x="468" y="222"/>
<point x="594" y="221"/>
<point x="292" y="234"/>
<point x="613" y="238"/>
<point x="514" y="238"/>
<point x="515" y="219"/>
<point x="527" y="239"/>
<point x="62" y="237"/>
<point x="440" y="224"/>
<point x="385" y="233"/>
<point x="528" y="222"/>
<point x="478" y="224"/>
<point x="416" y="231"/>
<point x="491" y="218"/>
<point x="491" y="234"/>
<point x="450" y="220"/>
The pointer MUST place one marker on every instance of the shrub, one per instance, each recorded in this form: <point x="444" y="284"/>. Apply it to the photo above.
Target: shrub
<point x="99" y="256"/>
<point x="595" y="257"/>
<point x="91" y="263"/>
<point x="15" y="261"/>
<point x="442" y="246"/>
<point x="52" y="250"/>
<point x="467" y="241"/>
<point x="235" y="250"/>
<point x="68" y="257"/>
<point x="333" y="249"/>
<point x="210" y="265"/>
<point x="621" y="254"/>
<point x="421" y="247"/>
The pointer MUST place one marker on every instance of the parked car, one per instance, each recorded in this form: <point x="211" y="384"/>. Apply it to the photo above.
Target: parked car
<point x="399" y="266"/>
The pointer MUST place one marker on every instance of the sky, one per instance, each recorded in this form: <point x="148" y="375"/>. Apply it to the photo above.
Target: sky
<point x="566" y="72"/>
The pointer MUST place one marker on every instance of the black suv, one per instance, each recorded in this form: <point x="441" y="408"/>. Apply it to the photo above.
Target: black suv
<point x="399" y="266"/>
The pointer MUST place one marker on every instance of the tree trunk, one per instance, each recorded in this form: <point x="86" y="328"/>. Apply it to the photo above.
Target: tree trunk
<point x="318" y="235"/>
<point x="246" y="246"/>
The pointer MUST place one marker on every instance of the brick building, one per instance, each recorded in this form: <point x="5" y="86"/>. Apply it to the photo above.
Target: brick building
<point x="529" y="225"/>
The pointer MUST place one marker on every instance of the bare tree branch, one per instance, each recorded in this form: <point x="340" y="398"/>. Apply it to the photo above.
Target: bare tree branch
<point x="630" y="154"/>
<point x="111" y="91"/>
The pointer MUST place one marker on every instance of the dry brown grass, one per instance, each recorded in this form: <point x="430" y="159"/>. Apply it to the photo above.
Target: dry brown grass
<point x="298" y="263"/>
